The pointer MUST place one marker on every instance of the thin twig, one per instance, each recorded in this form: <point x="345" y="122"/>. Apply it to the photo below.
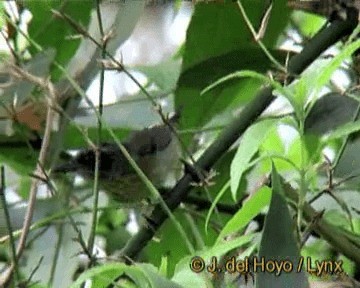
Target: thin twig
<point x="310" y="227"/>
<point x="49" y="88"/>
<point x="8" y="223"/>
<point x="27" y="282"/>
<point x="99" y="137"/>
<point x="257" y="39"/>
<point x="57" y="254"/>
<point x="53" y="218"/>
<point x="81" y="241"/>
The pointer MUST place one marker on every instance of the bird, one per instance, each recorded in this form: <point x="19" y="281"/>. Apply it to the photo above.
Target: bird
<point x="328" y="8"/>
<point x="156" y="150"/>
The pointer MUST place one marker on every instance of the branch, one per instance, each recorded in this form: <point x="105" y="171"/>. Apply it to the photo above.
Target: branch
<point x="331" y="233"/>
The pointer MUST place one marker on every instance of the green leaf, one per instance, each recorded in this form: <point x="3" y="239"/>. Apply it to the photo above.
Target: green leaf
<point x="326" y="73"/>
<point x="74" y="139"/>
<point x="345" y="130"/>
<point x="219" y="191"/>
<point x="206" y="60"/>
<point x="188" y="276"/>
<point x="225" y="24"/>
<point x="198" y="109"/>
<point x="155" y="279"/>
<point x="349" y="163"/>
<point x="329" y="112"/>
<point x="251" y="208"/>
<point x="295" y="102"/>
<point x="278" y="244"/>
<point x="241" y="74"/>
<point x="313" y="147"/>
<point x="168" y="235"/>
<point x="308" y="24"/>
<point x="223" y="247"/>
<point x="164" y="74"/>
<point x="295" y="156"/>
<point x="164" y="265"/>
<point x="24" y="186"/>
<point x="249" y="145"/>
<point x="104" y="275"/>
<point x="22" y="160"/>
<point x="51" y="32"/>
<point x="131" y="112"/>
<point x="214" y="203"/>
<point x="2" y="13"/>
<point x="272" y="149"/>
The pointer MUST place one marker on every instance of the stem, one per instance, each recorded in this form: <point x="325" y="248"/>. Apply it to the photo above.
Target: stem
<point x="99" y="136"/>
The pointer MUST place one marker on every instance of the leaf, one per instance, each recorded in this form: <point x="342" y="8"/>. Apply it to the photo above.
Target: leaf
<point x="38" y="65"/>
<point x="326" y="73"/>
<point x="189" y="277"/>
<point x="51" y="32"/>
<point x="169" y="236"/>
<point x="307" y="24"/>
<point x="155" y="279"/>
<point x="118" y="17"/>
<point x="22" y="160"/>
<point x="244" y="74"/>
<point x="143" y="275"/>
<point x="222" y="247"/>
<point x="219" y="195"/>
<point x="200" y="109"/>
<point x="278" y="244"/>
<point x="164" y="74"/>
<point x="349" y="163"/>
<point x="206" y="60"/>
<point x="2" y="17"/>
<point x="164" y="265"/>
<point x="219" y="191"/>
<point x="311" y="148"/>
<point x="263" y="79"/>
<point x="329" y="112"/>
<point x="251" y="208"/>
<point x="249" y="145"/>
<point x="225" y="24"/>
<point x="131" y="112"/>
<point x="73" y="139"/>
<point x="104" y="275"/>
<point x="345" y="130"/>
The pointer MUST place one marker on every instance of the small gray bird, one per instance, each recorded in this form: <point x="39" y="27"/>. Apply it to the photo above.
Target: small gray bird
<point x="327" y="8"/>
<point x="157" y="152"/>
